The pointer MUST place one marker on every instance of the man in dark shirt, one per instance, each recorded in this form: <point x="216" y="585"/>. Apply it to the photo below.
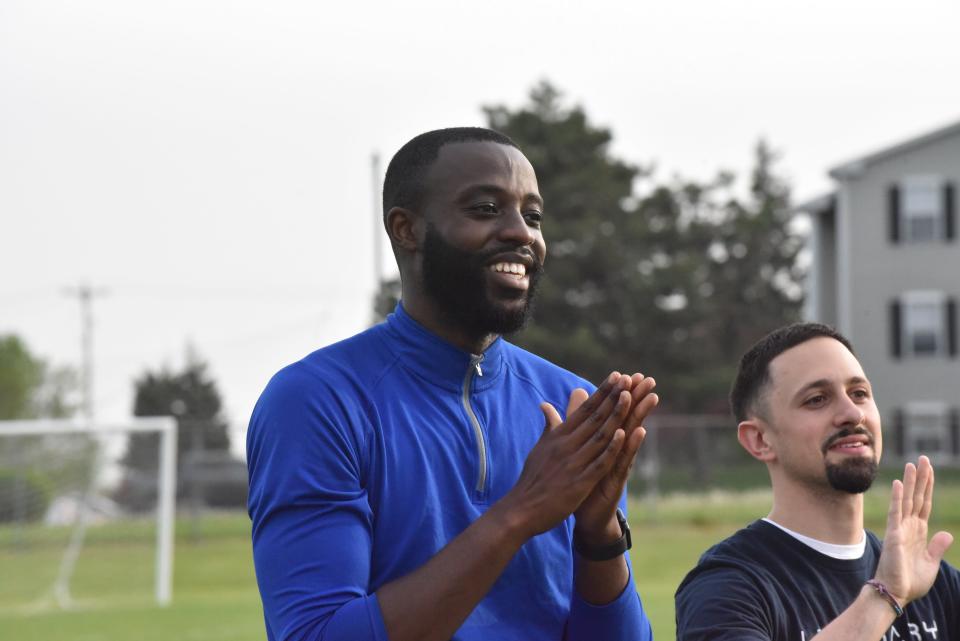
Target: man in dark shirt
<point x="806" y="409"/>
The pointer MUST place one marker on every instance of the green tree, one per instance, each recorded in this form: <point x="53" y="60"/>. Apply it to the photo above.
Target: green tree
<point x="675" y="283"/>
<point x="191" y="396"/>
<point x="29" y="387"/>
<point x="32" y="467"/>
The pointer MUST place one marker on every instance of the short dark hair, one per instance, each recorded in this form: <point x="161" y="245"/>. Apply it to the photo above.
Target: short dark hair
<point x="754" y="371"/>
<point x="403" y="184"/>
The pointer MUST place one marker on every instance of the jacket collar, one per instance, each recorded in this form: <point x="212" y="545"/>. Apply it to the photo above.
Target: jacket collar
<point x="436" y="360"/>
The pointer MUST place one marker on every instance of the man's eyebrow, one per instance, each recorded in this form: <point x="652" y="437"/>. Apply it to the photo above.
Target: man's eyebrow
<point x="823" y="382"/>
<point x="473" y="190"/>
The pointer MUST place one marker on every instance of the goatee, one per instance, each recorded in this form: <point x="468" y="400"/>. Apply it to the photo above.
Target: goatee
<point x="852" y="475"/>
<point x="457" y="280"/>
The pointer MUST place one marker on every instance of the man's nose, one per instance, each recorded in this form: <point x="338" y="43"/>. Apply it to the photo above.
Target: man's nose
<point x="849" y="413"/>
<point x="514" y="228"/>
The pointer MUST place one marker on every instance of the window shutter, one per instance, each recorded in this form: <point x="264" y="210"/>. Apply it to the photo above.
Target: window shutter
<point x="899" y="436"/>
<point x="893" y="213"/>
<point x="955" y="431"/>
<point x="949" y="219"/>
<point x="895" y="328"/>
<point x="951" y="312"/>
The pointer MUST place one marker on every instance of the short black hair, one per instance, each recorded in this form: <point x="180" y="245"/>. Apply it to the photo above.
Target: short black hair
<point x="754" y="371"/>
<point x="403" y="184"/>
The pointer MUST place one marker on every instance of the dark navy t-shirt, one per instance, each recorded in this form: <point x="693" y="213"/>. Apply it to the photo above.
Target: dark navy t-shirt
<point x="763" y="584"/>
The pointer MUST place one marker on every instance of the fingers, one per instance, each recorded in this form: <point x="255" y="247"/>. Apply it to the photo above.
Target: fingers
<point x="602" y="464"/>
<point x="628" y="456"/>
<point x="593" y="408"/>
<point x="642" y="398"/>
<point x="909" y="485"/>
<point x="939" y="545"/>
<point x="926" y="502"/>
<point x="920" y="487"/>
<point x="593" y="444"/>
<point x="552" y="417"/>
<point x="643" y="409"/>
<point x="577" y="397"/>
<point x="895" y="514"/>
<point x="593" y="418"/>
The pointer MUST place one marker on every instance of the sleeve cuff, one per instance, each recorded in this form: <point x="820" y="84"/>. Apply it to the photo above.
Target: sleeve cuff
<point x="358" y="619"/>
<point x="623" y="619"/>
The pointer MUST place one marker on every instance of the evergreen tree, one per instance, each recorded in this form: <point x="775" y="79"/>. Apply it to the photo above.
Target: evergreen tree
<point x="675" y="284"/>
<point x="192" y="397"/>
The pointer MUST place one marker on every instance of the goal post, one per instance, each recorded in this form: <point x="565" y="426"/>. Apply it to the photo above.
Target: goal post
<point x="100" y="431"/>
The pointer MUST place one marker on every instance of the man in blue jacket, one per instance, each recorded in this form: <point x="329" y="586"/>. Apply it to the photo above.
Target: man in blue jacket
<point x="416" y="481"/>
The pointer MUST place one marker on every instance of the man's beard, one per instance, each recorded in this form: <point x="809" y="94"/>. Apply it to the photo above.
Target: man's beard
<point x="852" y="475"/>
<point x="457" y="280"/>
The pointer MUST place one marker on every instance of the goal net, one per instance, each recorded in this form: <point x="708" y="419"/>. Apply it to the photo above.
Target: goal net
<point x="77" y="529"/>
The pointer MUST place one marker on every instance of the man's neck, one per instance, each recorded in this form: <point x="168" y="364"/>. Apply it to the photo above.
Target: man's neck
<point x="430" y="316"/>
<point x="824" y="514"/>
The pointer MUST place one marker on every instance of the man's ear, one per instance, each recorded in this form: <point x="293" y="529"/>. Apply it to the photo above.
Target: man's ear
<point x="753" y="435"/>
<point x="403" y="228"/>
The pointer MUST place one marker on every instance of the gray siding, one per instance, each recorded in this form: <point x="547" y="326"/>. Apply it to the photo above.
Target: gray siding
<point x="878" y="272"/>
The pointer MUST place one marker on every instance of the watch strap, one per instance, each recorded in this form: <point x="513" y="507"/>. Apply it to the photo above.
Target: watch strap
<point x="611" y="550"/>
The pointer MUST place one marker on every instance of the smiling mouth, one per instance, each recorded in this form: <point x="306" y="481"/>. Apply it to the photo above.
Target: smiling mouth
<point x="850" y="441"/>
<point x="518" y="270"/>
<point x="849" y="446"/>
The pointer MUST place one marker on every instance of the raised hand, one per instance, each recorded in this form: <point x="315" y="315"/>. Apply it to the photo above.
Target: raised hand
<point x="908" y="563"/>
<point x="572" y="456"/>
<point x="595" y="516"/>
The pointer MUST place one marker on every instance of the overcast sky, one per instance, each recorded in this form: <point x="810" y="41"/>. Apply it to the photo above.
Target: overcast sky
<point x="207" y="163"/>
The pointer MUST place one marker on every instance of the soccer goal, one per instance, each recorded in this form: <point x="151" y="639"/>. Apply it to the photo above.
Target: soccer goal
<point x="76" y="526"/>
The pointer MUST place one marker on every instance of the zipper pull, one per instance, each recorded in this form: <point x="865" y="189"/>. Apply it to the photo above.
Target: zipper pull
<point x="475" y="361"/>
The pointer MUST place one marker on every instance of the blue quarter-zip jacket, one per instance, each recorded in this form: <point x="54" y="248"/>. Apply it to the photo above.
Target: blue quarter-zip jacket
<point x="369" y="455"/>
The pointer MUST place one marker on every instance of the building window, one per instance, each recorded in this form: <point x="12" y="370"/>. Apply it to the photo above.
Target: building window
<point x="921" y="210"/>
<point x="927" y="430"/>
<point x="923" y="324"/>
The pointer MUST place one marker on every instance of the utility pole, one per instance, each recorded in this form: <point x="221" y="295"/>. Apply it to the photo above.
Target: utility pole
<point x="61" y="588"/>
<point x="85" y="294"/>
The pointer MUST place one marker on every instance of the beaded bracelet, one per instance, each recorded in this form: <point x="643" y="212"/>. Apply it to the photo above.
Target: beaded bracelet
<point x="885" y="593"/>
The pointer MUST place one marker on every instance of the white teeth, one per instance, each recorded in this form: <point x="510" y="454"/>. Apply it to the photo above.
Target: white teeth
<point x="510" y="268"/>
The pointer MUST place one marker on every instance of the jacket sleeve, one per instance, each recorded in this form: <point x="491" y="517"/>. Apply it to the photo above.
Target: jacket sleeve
<point x="620" y="620"/>
<point x="311" y="518"/>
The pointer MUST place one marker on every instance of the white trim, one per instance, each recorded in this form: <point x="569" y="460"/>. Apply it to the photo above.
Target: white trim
<point x="923" y="297"/>
<point x="812" y="304"/>
<point x="927" y="407"/>
<point x="843" y="242"/>
<point x="73" y="426"/>
<point x="855" y="168"/>
<point x="846" y="552"/>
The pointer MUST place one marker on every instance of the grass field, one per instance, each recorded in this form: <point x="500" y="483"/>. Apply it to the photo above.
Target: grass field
<point x="215" y="596"/>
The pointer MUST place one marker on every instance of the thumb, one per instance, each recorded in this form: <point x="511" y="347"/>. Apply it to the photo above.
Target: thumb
<point x="577" y="397"/>
<point x="552" y="417"/>
<point x="939" y="544"/>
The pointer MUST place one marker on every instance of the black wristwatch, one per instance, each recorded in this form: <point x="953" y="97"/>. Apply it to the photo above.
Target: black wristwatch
<point x="609" y="551"/>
